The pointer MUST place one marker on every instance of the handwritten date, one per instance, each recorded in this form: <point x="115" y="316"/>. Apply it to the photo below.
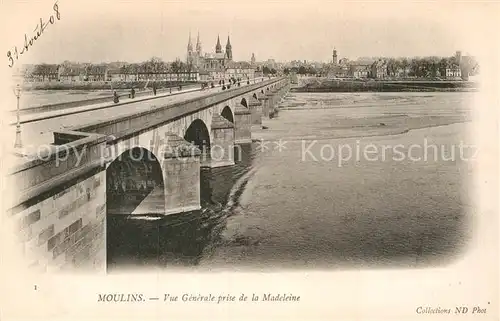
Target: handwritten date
<point x="13" y="55"/>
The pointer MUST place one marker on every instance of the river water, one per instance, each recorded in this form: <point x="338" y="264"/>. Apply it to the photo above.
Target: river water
<point x="335" y="181"/>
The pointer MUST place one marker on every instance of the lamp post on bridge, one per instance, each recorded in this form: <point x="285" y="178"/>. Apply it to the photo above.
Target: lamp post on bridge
<point x="19" y="143"/>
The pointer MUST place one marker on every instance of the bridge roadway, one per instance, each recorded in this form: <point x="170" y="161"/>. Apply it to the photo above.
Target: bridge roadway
<point x="37" y="129"/>
<point x="36" y="101"/>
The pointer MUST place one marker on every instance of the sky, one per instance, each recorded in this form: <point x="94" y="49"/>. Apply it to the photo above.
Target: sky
<point x="134" y="31"/>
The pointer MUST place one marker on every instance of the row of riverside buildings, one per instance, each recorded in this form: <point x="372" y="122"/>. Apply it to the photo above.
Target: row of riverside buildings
<point x="199" y="66"/>
<point x="103" y="73"/>
<point x="457" y="67"/>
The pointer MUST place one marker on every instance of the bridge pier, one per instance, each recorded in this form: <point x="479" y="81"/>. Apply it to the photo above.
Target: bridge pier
<point x="278" y="98"/>
<point x="243" y="124"/>
<point x="256" y="109"/>
<point x="181" y="176"/>
<point x="286" y="88"/>
<point x="264" y="100"/>
<point x="281" y="94"/>
<point x="222" y="143"/>
<point x="272" y="103"/>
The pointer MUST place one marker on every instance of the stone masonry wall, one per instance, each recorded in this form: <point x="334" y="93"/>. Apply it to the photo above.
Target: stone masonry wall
<point x="243" y="126"/>
<point x="222" y="147"/>
<point x="67" y="229"/>
<point x="265" y="105"/>
<point x="182" y="184"/>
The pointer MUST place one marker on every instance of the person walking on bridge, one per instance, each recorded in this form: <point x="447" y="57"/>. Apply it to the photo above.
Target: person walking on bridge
<point x="115" y="97"/>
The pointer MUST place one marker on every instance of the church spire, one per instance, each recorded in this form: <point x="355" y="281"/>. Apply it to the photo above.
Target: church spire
<point x="218" y="47"/>
<point x="190" y="45"/>
<point x="198" y="43"/>
<point x="229" y="50"/>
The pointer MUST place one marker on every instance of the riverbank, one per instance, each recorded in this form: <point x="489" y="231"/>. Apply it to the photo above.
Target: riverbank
<point x="332" y="85"/>
<point x="102" y="85"/>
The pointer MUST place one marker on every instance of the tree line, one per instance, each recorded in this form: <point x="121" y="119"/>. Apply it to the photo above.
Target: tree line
<point x="429" y="66"/>
<point x="267" y="71"/>
<point x="409" y="67"/>
<point x="153" y="65"/>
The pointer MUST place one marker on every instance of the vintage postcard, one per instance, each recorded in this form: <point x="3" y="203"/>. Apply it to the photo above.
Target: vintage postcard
<point x="249" y="160"/>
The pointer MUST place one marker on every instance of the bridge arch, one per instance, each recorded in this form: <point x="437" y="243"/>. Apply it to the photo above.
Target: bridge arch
<point x="130" y="177"/>
<point x="244" y="102"/>
<point x="227" y="114"/>
<point x="199" y="135"/>
<point x="255" y="96"/>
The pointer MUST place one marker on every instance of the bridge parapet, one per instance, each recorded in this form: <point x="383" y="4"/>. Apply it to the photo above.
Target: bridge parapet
<point x="60" y="203"/>
<point x="73" y="153"/>
<point x="165" y="113"/>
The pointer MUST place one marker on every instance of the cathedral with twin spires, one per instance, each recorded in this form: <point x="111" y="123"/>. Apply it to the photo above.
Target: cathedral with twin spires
<point x="217" y="60"/>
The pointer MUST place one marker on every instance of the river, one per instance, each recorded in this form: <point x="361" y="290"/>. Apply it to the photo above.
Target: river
<point x="310" y="196"/>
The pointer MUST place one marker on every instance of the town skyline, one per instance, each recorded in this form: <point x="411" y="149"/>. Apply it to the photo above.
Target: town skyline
<point x="163" y="35"/>
<point x="260" y="62"/>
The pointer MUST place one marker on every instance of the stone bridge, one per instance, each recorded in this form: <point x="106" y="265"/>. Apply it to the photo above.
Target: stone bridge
<point x="144" y="162"/>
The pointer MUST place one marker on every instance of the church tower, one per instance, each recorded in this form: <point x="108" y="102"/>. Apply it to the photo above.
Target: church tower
<point x="189" y="50"/>
<point x="218" y="47"/>
<point x="334" y="56"/>
<point x="252" y="60"/>
<point x="229" y="50"/>
<point x="198" y="45"/>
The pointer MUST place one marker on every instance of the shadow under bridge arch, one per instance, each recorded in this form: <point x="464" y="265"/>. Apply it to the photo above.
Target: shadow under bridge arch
<point x="134" y="184"/>
<point x="198" y="135"/>
<point x="244" y="102"/>
<point x="228" y="114"/>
